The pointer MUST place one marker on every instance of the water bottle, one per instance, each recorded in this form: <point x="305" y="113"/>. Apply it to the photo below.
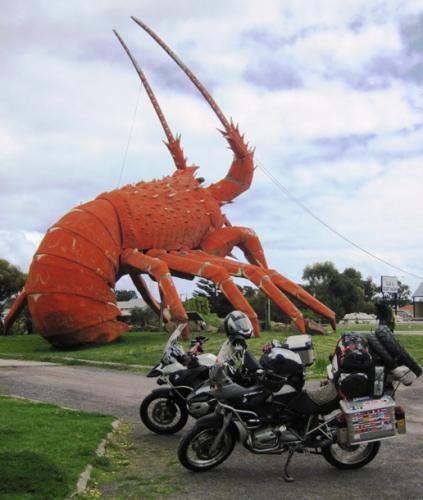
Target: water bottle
<point x="400" y="419"/>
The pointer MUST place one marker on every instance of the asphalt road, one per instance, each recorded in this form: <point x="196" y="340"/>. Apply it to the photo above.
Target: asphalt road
<point x="397" y="471"/>
<point x="111" y="392"/>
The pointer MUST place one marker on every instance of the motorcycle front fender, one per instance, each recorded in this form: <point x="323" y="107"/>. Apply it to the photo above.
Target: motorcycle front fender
<point x="215" y="420"/>
<point x="155" y="372"/>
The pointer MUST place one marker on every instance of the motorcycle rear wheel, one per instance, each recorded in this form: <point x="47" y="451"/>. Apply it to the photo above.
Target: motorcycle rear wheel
<point x="194" y="448"/>
<point x="350" y="457"/>
<point x="163" y="415"/>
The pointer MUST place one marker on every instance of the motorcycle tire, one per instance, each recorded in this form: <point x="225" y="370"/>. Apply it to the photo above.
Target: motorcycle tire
<point x="397" y="351"/>
<point x="351" y="457"/>
<point x="194" y="448"/>
<point x="163" y="415"/>
<point x="376" y="347"/>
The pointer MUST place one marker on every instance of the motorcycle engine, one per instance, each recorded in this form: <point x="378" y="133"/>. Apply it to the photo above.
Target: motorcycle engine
<point x="270" y="437"/>
<point x="264" y="438"/>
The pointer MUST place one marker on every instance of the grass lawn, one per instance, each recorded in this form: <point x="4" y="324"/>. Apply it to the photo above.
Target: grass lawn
<point x="145" y="348"/>
<point x="137" y="465"/>
<point x="44" y="448"/>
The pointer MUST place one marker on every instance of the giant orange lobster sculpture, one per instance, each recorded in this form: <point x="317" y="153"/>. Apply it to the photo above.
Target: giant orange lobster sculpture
<point x="171" y="226"/>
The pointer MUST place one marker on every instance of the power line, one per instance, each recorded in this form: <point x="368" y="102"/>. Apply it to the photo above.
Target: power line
<point x="125" y="154"/>
<point x="333" y="230"/>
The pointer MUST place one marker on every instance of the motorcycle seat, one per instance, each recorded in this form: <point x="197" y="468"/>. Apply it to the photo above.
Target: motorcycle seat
<point x="323" y="400"/>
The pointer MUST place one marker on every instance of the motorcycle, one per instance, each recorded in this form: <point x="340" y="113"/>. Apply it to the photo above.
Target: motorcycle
<point x="243" y="364"/>
<point x="277" y="415"/>
<point x="164" y="410"/>
<point x="188" y="392"/>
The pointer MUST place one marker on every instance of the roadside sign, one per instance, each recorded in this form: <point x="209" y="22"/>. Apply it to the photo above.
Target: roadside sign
<point x="389" y="284"/>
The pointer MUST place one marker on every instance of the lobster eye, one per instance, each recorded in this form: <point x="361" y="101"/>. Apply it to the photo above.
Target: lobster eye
<point x="200" y="180"/>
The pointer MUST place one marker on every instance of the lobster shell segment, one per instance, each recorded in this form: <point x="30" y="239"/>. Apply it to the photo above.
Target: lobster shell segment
<point x="69" y="286"/>
<point x="72" y="248"/>
<point x="86" y="225"/>
<point x="66" y="314"/>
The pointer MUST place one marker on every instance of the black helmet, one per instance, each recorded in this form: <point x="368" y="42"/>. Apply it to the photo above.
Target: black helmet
<point x="237" y="326"/>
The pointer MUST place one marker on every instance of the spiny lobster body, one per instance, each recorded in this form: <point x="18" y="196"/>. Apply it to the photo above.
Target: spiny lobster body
<point x="172" y="213"/>
<point x="166" y="227"/>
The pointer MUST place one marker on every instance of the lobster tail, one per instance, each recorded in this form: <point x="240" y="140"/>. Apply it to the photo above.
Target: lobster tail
<point x="70" y="281"/>
<point x="172" y="144"/>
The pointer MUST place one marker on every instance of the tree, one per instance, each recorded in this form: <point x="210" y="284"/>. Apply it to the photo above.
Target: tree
<point x="370" y="289"/>
<point x="12" y="280"/>
<point x="125" y="295"/>
<point x="219" y="304"/>
<point x="142" y="317"/>
<point x="198" y="303"/>
<point x="344" y="292"/>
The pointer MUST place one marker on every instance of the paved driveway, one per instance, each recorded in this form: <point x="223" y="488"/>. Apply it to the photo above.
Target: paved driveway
<point x="112" y="392"/>
<point x="397" y="472"/>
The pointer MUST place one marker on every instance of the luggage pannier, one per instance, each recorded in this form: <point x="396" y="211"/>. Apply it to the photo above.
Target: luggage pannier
<point x="302" y="345"/>
<point x="367" y="420"/>
<point x="352" y="366"/>
<point x="352" y="353"/>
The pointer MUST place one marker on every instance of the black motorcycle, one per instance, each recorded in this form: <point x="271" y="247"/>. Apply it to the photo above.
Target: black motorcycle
<point x="164" y="411"/>
<point x="187" y="390"/>
<point x="276" y="415"/>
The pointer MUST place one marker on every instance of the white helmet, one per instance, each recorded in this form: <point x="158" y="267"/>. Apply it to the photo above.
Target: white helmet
<point x="238" y="326"/>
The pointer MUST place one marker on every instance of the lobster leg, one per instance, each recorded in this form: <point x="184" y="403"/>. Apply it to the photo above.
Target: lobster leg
<point x="221" y="242"/>
<point x="271" y="282"/>
<point x="203" y="266"/>
<point x="159" y="271"/>
<point x="302" y="295"/>
<point x="142" y="287"/>
<point x="259" y="277"/>
<point x="17" y="307"/>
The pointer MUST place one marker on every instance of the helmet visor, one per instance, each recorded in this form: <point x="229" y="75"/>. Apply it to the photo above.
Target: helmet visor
<point x="242" y="324"/>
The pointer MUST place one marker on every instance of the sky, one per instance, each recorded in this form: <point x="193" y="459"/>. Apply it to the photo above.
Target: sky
<point x="329" y="93"/>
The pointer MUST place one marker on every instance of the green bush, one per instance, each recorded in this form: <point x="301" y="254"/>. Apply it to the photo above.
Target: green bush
<point x="199" y="304"/>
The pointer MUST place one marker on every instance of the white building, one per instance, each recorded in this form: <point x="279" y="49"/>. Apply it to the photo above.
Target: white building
<point x="359" y="318"/>
<point x="127" y="306"/>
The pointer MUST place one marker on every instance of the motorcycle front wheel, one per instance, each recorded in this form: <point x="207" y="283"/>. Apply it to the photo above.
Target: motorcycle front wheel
<point x="351" y="457"/>
<point x="163" y="414"/>
<point x="194" y="451"/>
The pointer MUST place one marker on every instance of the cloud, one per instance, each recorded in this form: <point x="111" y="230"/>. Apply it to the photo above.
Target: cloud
<point x="329" y="94"/>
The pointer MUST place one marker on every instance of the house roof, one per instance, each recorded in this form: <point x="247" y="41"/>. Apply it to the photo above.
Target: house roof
<point x="407" y="307"/>
<point x="419" y="291"/>
<point x="131" y="304"/>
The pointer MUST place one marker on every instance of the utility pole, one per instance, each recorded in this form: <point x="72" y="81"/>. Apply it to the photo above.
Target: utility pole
<point x="268" y="321"/>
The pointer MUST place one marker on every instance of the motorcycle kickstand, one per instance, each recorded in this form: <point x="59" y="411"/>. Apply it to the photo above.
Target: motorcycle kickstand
<point x="286" y="476"/>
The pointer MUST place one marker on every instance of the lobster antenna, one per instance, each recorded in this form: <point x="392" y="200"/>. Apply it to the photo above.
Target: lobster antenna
<point x="188" y="72"/>
<point x="176" y="151"/>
